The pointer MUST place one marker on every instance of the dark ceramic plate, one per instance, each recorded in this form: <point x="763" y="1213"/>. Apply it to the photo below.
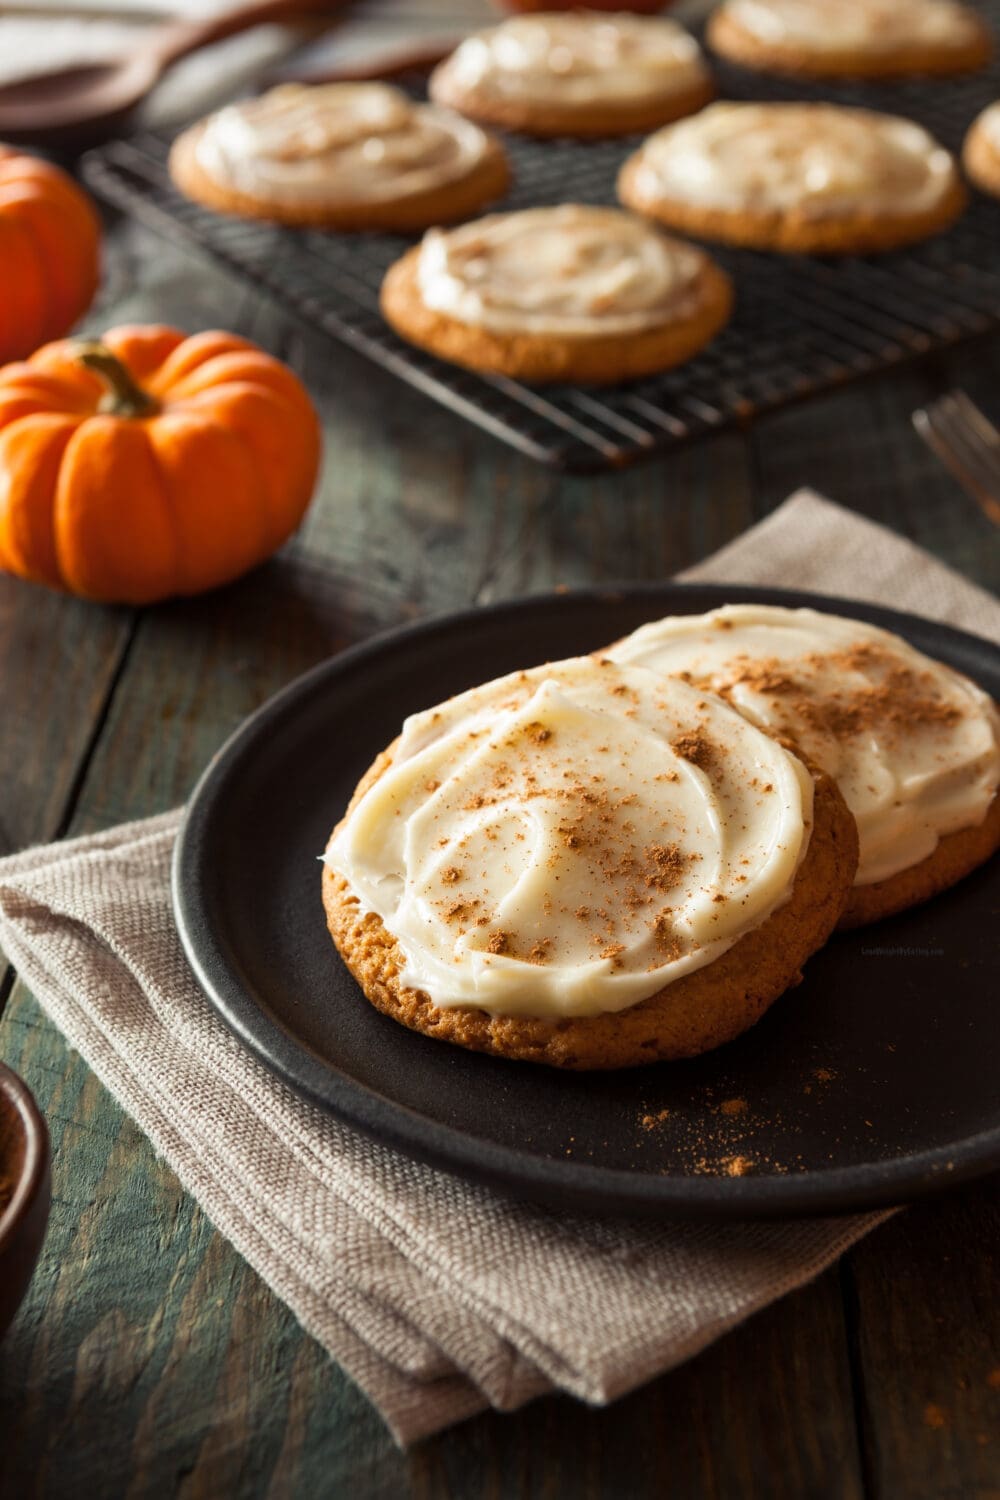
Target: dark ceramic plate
<point x="872" y="1082"/>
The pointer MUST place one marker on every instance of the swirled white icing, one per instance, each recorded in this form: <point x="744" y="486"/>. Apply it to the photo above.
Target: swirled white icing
<point x="859" y="26"/>
<point x="913" y="745"/>
<point x="581" y="58"/>
<point x="337" y="143"/>
<point x="819" y="160"/>
<point x="566" y="841"/>
<point x="565" y="271"/>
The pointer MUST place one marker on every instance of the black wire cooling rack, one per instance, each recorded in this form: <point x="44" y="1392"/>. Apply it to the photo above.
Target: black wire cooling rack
<point x="802" y="325"/>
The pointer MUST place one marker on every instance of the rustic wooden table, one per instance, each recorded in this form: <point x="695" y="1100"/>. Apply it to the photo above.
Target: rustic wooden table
<point x="148" y="1359"/>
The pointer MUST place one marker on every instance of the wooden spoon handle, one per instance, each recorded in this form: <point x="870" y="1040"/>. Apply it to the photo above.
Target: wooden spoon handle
<point x="386" y="60"/>
<point x="176" y="40"/>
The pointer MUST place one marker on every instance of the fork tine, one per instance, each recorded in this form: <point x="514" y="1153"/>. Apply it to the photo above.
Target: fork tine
<point x="976" y="446"/>
<point x="940" y="436"/>
<point x="970" y="463"/>
<point x="978" y="422"/>
<point x="971" y="455"/>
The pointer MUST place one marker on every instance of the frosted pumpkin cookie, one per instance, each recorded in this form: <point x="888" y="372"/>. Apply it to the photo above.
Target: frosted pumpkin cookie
<point x="851" y="38"/>
<point x="577" y="73"/>
<point x="811" y="178"/>
<point x="585" y="865"/>
<point x="342" y="155"/>
<point x="567" y="293"/>
<point x="913" y="745"/>
<point x="981" y="152"/>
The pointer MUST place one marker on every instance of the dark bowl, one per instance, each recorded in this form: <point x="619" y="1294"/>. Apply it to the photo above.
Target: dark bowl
<point x="25" y="1191"/>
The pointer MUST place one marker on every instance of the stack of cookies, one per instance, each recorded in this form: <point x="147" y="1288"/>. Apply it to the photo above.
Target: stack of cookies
<point x="627" y="857"/>
<point x="587" y="294"/>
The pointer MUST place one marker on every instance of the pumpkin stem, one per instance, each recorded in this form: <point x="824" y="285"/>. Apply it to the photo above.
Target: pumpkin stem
<point x="124" y="397"/>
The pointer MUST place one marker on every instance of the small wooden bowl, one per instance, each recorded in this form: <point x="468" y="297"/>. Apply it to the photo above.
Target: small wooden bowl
<point x="25" y="1191"/>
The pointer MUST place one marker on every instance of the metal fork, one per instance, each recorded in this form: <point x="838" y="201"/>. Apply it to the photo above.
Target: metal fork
<point x="967" y="443"/>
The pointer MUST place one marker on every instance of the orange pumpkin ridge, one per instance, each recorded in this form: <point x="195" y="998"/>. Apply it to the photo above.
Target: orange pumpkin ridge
<point x="22" y="310"/>
<point x="30" y="459"/>
<point x="144" y="348"/>
<point x="150" y="464"/>
<point x="49" y="252"/>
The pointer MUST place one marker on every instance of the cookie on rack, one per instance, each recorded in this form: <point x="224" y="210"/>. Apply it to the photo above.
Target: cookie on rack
<point x="585" y="865"/>
<point x="572" y="293"/>
<point x="981" y="152"/>
<point x="816" y="179"/>
<point x="852" y="38"/>
<point x="578" y="74"/>
<point x="350" y="156"/>
<point x="913" y="745"/>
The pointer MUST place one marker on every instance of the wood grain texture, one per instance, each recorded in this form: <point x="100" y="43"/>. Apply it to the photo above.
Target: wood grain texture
<point x="148" y="1358"/>
<point x="58" y="659"/>
<point x="928" y="1339"/>
<point x="762" y="1414"/>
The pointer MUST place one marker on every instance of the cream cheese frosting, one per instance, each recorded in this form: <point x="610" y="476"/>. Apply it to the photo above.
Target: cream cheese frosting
<point x="581" y="58"/>
<point x="567" y="841"/>
<point x="337" y="142"/>
<point x="565" y="271"/>
<point x="867" y="26"/>
<point x="819" y="160"/>
<point x="913" y="745"/>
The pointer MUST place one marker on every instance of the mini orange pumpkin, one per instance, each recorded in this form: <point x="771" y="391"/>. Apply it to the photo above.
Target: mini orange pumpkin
<point x="127" y="492"/>
<point x="49" y="252"/>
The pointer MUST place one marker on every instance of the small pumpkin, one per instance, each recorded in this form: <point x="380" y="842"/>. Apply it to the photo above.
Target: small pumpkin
<point x="150" y="464"/>
<point x="49" y="253"/>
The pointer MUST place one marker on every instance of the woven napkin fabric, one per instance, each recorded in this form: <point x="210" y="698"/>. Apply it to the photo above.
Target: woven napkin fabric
<point x="438" y="1297"/>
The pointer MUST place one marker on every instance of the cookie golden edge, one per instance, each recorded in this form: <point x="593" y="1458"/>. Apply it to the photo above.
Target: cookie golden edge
<point x="698" y="1012"/>
<point x="956" y="855"/>
<point x="981" y="160"/>
<point x="484" y="184"/>
<point x="599" y="359"/>
<point x="727" y="38"/>
<point x="591" y="122"/>
<point x="791" y="233"/>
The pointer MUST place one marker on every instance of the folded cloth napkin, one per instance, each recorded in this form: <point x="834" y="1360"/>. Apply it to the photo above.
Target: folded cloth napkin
<point x="438" y="1297"/>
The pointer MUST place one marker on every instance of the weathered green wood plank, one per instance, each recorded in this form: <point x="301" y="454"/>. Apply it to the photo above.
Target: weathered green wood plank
<point x="58" y="658"/>
<point x="929" y="1343"/>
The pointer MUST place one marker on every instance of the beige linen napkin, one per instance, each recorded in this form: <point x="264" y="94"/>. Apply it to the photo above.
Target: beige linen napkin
<point x="438" y="1297"/>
